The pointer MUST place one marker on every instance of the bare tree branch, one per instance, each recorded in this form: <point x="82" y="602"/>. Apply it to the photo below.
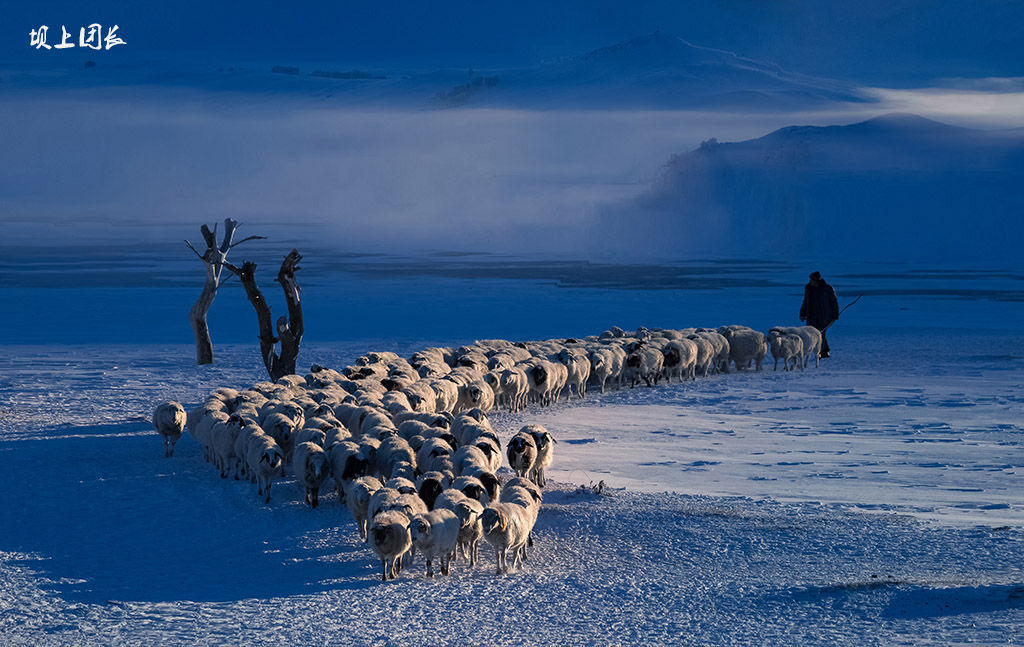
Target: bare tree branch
<point x="248" y="238"/>
<point x="194" y="250"/>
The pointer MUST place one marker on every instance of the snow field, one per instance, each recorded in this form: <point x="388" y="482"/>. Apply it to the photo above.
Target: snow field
<point x="118" y="545"/>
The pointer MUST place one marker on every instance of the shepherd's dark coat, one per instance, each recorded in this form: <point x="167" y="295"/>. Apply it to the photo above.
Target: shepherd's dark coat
<point x="820" y="307"/>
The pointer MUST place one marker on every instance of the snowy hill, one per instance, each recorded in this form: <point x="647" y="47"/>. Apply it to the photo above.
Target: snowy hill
<point x="897" y="186"/>
<point x="658" y="70"/>
<point x="664" y="70"/>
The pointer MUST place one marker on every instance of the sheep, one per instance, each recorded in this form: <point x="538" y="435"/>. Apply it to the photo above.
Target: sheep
<point x="522" y="453"/>
<point x="746" y="346"/>
<point x="472" y="487"/>
<point x="446" y="395"/>
<point x="348" y="462"/>
<point x="402" y="485"/>
<point x="578" y="369"/>
<point x="432" y="449"/>
<point x="224" y="435"/>
<point x="335" y="435"/>
<point x="525" y="493"/>
<point x="507" y="527"/>
<point x="382" y="499"/>
<point x="281" y="428"/>
<point x="476" y="394"/>
<point x="538" y="374"/>
<point x="431" y="484"/>
<point x="811" y="338"/>
<point x="390" y="540"/>
<point x="310" y="435"/>
<point x="311" y="469"/>
<point x="169" y="420"/>
<point x="468" y="511"/>
<point x="720" y="344"/>
<point x="435" y="534"/>
<point x="403" y="469"/>
<point x="545" y="443"/>
<point x="602" y="362"/>
<point x="265" y="459"/>
<point x="468" y="457"/>
<point x="645" y="364"/>
<point x="203" y="431"/>
<point x="393" y="450"/>
<point x="357" y="498"/>
<point x="786" y="347"/>
<point x="705" y="354"/>
<point x="680" y="359"/>
<point x="513" y="387"/>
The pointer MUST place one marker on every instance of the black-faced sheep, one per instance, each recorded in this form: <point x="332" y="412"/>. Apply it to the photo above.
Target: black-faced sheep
<point x="522" y="453"/>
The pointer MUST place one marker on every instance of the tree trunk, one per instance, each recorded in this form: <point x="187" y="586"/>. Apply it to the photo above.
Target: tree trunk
<point x="213" y="258"/>
<point x="289" y="330"/>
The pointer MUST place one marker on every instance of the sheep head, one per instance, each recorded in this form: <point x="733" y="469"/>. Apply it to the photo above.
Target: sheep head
<point x="494" y="521"/>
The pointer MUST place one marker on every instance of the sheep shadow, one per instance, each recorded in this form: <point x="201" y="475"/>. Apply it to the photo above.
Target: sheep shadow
<point x="101" y="515"/>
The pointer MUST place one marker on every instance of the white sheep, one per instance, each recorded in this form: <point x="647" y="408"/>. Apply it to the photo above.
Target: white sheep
<point x="705" y="355"/>
<point x="507" y="527"/>
<point x="390" y="539"/>
<point x="811" y="338"/>
<point x="264" y="459"/>
<point x="224" y="435"/>
<point x="602" y="363"/>
<point x="514" y="388"/>
<point x="311" y="469"/>
<point x="169" y="420"/>
<point x="432" y="449"/>
<point x="393" y="450"/>
<point x="786" y="346"/>
<point x="746" y="346"/>
<point x="468" y="457"/>
<point x="578" y="369"/>
<point x="476" y="394"/>
<point x="468" y="511"/>
<point x="357" y="498"/>
<point x="436" y="536"/>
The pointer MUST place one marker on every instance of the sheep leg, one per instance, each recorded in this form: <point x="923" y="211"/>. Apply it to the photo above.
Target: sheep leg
<point x="430" y="568"/>
<point x="383" y="570"/>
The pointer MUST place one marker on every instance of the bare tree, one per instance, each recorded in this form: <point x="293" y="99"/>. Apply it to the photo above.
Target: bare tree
<point x="289" y="330"/>
<point x="213" y="258"/>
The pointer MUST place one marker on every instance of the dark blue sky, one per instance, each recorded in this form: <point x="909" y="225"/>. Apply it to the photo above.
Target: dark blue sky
<point x="871" y="41"/>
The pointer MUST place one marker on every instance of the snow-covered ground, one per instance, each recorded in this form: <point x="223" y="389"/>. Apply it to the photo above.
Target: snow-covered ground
<point x="874" y="500"/>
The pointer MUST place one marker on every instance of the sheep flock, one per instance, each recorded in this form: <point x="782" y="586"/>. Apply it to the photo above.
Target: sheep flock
<point x="408" y="444"/>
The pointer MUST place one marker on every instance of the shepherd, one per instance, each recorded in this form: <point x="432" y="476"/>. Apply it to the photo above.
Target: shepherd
<point x="820" y="307"/>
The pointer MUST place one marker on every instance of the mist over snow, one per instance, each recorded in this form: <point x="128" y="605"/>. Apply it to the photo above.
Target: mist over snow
<point x="897" y="186"/>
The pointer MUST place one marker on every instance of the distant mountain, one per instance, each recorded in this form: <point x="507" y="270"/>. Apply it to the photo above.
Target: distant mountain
<point x="897" y="186"/>
<point x="659" y="71"/>
<point x="662" y="70"/>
